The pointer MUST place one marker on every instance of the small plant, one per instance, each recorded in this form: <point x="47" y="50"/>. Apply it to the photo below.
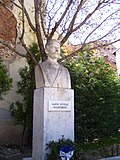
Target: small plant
<point x="5" y="80"/>
<point x="53" y="149"/>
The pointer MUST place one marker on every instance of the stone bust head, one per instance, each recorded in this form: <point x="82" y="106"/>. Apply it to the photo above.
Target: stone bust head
<point x="52" y="49"/>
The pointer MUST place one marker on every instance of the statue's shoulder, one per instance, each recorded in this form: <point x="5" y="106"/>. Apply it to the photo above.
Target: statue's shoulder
<point x="40" y="64"/>
<point x="38" y="67"/>
<point x="43" y="63"/>
<point x="64" y="69"/>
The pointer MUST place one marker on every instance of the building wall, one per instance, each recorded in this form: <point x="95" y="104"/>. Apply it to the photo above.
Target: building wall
<point x="9" y="132"/>
<point x="118" y="61"/>
<point x="12" y="133"/>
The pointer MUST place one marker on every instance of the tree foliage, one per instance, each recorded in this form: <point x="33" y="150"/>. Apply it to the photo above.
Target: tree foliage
<point x="83" y="21"/>
<point x="5" y="79"/>
<point x="97" y="98"/>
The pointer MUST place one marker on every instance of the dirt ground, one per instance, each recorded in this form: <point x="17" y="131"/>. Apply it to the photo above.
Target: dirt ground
<point x="14" y="152"/>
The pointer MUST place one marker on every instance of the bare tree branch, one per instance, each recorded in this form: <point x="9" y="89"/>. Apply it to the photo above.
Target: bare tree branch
<point x="7" y="44"/>
<point x="38" y="4"/>
<point x="29" y="53"/>
<point x="23" y="22"/>
<point x="71" y="30"/>
<point x="71" y="18"/>
<point x="104" y="36"/>
<point x="42" y="19"/>
<point x="100" y="25"/>
<point x="82" y="49"/>
<point x="26" y="14"/>
<point x="58" y="23"/>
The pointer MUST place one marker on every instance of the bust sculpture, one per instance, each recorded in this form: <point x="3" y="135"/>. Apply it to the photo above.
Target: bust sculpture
<point x="50" y="73"/>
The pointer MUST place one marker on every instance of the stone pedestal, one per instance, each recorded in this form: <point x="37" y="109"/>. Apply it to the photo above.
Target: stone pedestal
<point x="53" y="117"/>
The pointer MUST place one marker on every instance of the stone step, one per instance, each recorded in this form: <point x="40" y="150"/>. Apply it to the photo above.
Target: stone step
<point x="111" y="158"/>
<point x="28" y="158"/>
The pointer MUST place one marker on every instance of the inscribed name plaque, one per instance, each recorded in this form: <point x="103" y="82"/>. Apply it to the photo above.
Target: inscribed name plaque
<point x="59" y="106"/>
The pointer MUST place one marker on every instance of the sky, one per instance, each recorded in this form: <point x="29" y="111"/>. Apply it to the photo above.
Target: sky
<point x="98" y="17"/>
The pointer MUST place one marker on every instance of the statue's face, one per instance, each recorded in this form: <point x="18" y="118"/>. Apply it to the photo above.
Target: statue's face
<point x="53" y="50"/>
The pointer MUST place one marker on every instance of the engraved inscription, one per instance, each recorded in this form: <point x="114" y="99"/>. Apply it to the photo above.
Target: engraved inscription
<point x="59" y="106"/>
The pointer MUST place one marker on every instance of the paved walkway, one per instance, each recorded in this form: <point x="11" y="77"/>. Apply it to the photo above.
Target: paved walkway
<point x="111" y="158"/>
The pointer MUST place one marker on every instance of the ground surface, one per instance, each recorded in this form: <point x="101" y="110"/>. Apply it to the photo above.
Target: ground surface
<point x="14" y="152"/>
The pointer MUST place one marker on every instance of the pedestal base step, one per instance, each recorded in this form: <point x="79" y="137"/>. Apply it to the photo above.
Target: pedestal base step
<point x="29" y="158"/>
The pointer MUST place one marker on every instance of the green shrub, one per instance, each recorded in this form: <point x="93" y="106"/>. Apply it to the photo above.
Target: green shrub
<point x="53" y="149"/>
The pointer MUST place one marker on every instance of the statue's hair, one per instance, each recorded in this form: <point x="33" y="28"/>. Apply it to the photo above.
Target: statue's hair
<point x="49" y="42"/>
